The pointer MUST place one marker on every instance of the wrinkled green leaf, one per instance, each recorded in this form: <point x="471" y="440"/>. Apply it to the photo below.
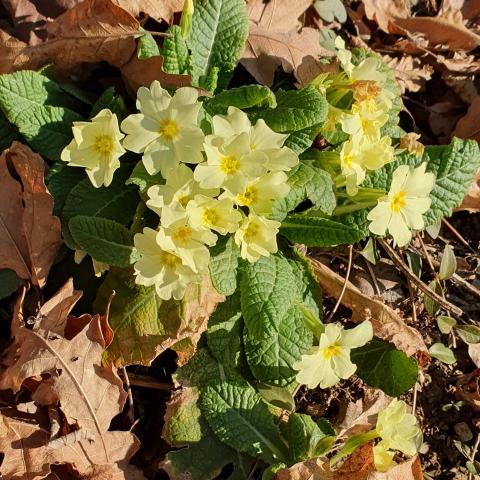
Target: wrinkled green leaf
<point x="224" y="265"/>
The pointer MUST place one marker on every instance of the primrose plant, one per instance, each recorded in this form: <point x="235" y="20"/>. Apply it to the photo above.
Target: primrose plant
<point x="195" y="200"/>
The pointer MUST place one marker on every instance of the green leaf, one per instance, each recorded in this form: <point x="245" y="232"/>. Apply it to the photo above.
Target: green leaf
<point x="109" y="99"/>
<point x="217" y="38"/>
<point x="305" y="438"/>
<point x="142" y="179"/>
<point x="224" y="265"/>
<point x="300" y="140"/>
<point x="431" y="306"/>
<point x="319" y="232"/>
<point x="105" y="240"/>
<point x="147" y="46"/>
<point x="468" y="333"/>
<point x="448" y="264"/>
<point x="176" y="58"/>
<point x="445" y="324"/>
<point x="115" y="202"/>
<point x="454" y="165"/>
<point x="62" y="182"/>
<point x="8" y="132"/>
<point x="224" y="334"/>
<point x="9" y="282"/>
<point x="37" y="107"/>
<point x="329" y="10"/>
<point x="279" y="397"/>
<point x="381" y="365"/>
<point x="442" y="353"/>
<point x="296" y="110"/>
<point x="241" y="419"/>
<point x="306" y="182"/>
<point x="243" y="97"/>
<point x="276" y="334"/>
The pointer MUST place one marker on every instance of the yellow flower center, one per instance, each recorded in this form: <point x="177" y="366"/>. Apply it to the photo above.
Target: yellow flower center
<point x="103" y="144"/>
<point x="249" y="197"/>
<point x="251" y="231"/>
<point x="229" y="165"/>
<point x="170" y="260"/>
<point x="253" y="146"/>
<point x="168" y="129"/>
<point x="347" y="160"/>
<point x="397" y="202"/>
<point x="331" y="351"/>
<point x="182" y="235"/>
<point x="210" y="216"/>
<point x="183" y="200"/>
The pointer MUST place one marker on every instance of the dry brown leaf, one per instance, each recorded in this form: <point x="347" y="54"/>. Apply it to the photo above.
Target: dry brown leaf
<point x="468" y="389"/>
<point x="90" y="32"/>
<point x="411" y="73"/>
<point x="71" y="376"/>
<point x="357" y="466"/>
<point x="30" y="235"/>
<point x="141" y="73"/>
<point x="24" y="442"/>
<point x="446" y="29"/>
<point x="469" y="125"/>
<point x="157" y="9"/>
<point x="361" y="416"/>
<point x="274" y="40"/>
<point x="474" y="352"/>
<point x="387" y="324"/>
<point x="471" y="203"/>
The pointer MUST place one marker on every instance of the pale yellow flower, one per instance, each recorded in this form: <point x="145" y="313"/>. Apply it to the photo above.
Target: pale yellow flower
<point x="160" y="266"/>
<point x="365" y="119"/>
<point x="402" y="210"/>
<point x="177" y="234"/>
<point x="166" y="131"/>
<point x="96" y="147"/>
<point x="260" y="194"/>
<point x="261" y="138"/>
<point x="230" y="163"/>
<point x="328" y="362"/>
<point x="179" y="188"/>
<point x="209" y="213"/>
<point x="257" y="237"/>
<point x="398" y="430"/>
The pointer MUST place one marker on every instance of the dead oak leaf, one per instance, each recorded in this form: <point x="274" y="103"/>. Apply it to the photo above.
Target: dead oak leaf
<point x="411" y="73"/>
<point x="387" y="324"/>
<point x="30" y="235"/>
<point x="71" y="373"/>
<point x="158" y="10"/>
<point x="92" y="31"/>
<point x="28" y="452"/>
<point x="275" y="40"/>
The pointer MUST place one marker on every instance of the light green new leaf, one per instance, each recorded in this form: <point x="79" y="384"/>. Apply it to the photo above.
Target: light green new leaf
<point x="176" y="58"/>
<point x="142" y="179"/>
<point x="217" y="38"/>
<point x="241" y="419"/>
<point x="448" y="265"/>
<point x="381" y="365"/>
<point x="329" y="10"/>
<point x="442" y="353"/>
<point x="147" y="46"/>
<point x="39" y="108"/>
<point x="306" y="182"/>
<point x="223" y="266"/>
<point x="244" y="97"/>
<point x="468" y="333"/>
<point x="445" y="324"/>
<point x="296" y="110"/>
<point x="104" y="240"/>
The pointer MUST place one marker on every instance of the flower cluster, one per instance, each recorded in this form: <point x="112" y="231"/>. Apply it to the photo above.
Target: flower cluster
<point x="362" y="118"/>
<point x="222" y="183"/>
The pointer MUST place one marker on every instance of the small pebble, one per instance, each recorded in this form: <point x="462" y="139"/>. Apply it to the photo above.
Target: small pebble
<point x="463" y="431"/>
